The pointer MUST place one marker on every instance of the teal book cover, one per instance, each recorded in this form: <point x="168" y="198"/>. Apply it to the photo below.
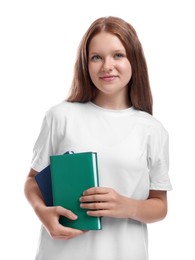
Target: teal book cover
<point x="71" y="174"/>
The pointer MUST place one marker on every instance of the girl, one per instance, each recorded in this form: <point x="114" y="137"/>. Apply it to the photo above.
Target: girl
<point x="109" y="111"/>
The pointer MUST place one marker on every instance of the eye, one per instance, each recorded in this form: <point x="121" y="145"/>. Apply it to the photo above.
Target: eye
<point x="119" y="55"/>
<point x="95" y="58"/>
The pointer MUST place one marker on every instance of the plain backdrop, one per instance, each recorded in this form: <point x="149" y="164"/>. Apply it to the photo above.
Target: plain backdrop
<point x="38" y="44"/>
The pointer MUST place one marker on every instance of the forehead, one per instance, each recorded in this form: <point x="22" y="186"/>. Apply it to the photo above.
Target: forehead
<point x="105" y="41"/>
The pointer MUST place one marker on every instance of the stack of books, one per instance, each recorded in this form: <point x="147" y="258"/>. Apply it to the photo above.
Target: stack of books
<point x="62" y="184"/>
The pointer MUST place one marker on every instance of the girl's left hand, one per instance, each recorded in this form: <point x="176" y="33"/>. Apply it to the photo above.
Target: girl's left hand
<point x="105" y="202"/>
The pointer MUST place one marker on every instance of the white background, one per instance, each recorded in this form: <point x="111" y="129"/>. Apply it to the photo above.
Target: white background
<point x="38" y="44"/>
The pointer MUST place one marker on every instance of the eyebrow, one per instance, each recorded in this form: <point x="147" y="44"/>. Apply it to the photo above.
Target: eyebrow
<point x="120" y="50"/>
<point x="115" y="51"/>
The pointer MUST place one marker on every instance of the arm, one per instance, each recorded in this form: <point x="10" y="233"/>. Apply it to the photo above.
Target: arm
<point x="49" y="216"/>
<point x="107" y="202"/>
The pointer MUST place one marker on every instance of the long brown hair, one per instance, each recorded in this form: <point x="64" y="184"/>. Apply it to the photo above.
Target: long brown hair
<point x="83" y="89"/>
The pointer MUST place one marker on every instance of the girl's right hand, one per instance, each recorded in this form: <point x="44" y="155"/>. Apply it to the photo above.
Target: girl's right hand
<point x="49" y="217"/>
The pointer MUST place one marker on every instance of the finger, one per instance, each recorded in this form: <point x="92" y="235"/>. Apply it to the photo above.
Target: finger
<point x="95" y="206"/>
<point x="99" y="213"/>
<point x="66" y="213"/>
<point x="68" y="233"/>
<point x="96" y="190"/>
<point x="91" y="198"/>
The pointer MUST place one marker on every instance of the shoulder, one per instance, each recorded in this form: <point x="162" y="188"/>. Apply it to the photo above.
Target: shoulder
<point x="64" y="109"/>
<point x="63" y="106"/>
<point x="153" y="124"/>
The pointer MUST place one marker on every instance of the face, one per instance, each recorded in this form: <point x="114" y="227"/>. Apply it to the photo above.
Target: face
<point x="109" y="67"/>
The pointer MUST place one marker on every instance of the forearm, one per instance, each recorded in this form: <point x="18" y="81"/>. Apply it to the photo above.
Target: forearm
<point x="32" y="193"/>
<point x="147" y="211"/>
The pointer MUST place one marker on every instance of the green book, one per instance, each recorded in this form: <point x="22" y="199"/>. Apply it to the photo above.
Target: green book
<point x="71" y="174"/>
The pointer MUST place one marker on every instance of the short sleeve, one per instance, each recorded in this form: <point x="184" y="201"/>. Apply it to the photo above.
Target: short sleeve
<point x="43" y="147"/>
<point x="158" y="159"/>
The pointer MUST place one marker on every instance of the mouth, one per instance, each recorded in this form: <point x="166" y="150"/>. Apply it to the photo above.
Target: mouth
<point x="108" y="77"/>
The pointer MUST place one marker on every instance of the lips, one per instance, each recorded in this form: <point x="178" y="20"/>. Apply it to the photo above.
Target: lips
<point x="108" y="77"/>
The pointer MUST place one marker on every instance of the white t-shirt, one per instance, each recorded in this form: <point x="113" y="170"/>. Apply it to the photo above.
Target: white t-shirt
<point x="132" y="148"/>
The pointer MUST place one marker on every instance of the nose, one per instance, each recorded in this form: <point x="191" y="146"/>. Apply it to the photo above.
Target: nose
<point x="108" y="65"/>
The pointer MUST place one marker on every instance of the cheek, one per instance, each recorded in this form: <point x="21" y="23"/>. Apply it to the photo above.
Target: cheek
<point x="92" y="72"/>
<point x="126" y="71"/>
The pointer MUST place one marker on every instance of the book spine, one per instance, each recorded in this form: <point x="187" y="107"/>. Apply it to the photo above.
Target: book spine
<point x="96" y="183"/>
<point x="95" y="169"/>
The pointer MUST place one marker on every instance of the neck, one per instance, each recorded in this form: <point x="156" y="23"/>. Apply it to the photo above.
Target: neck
<point x="114" y="103"/>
